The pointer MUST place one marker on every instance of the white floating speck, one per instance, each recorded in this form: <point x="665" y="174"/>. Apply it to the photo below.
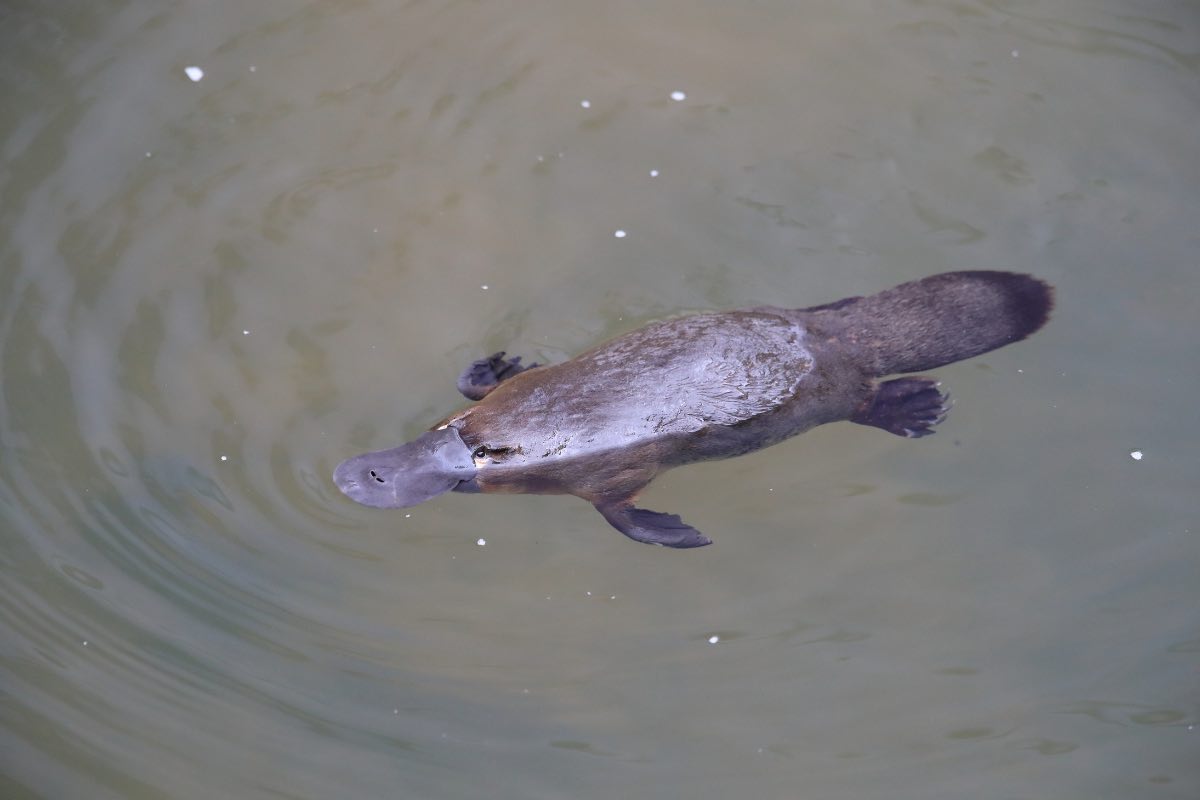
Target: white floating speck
<point x="224" y="458"/>
<point x="1020" y="371"/>
<point x="395" y="711"/>
<point x="253" y="68"/>
<point x="148" y="154"/>
<point x="585" y="103"/>
<point x="195" y="73"/>
<point x="483" y="286"/>
<point x="374" y="230"/>
<point x="1016" y="53"/>
<point x="481" y="542"/>
<point x="1136" y="455"/>
<point x="589" y="594"/>
<point x="408" y="516"/>
<point x="612" y="597"/>
<point x="620" y="234"/>
<point x="714" y="639"/>
<point x="85" y="642"/>
<point x="678" y="96"/>
<point x="245" y="332"/>
<point x="653" y="173"/>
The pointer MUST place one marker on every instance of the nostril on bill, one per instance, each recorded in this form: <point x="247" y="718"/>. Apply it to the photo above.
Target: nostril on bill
<point x="377" y="476"/>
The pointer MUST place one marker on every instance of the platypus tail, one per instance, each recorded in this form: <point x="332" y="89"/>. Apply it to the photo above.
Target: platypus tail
<point x="944" y="318"/>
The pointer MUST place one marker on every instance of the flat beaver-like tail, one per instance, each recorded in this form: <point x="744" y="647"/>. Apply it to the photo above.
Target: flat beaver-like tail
<point x="945" y="318"/>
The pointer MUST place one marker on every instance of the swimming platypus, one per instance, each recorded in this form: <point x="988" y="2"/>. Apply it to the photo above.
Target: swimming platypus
<point x="602" y="425"/>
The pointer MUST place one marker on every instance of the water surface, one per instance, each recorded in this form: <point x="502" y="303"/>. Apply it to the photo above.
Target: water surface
<point x="212" y="291"/>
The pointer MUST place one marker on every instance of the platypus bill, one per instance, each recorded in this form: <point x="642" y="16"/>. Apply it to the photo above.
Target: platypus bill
<point x="602" y="425"/>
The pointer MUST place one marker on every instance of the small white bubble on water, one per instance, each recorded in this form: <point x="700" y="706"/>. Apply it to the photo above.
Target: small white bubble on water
<point x="714" y="639"/>
<point x="224" y="458"/>
<point x="620" y="234"/>
<point x="585" y="103"/>
<point x="1136" y="455"/>
<point x="245" y="332"/>
<point x="481" y="542"/>
<point x="253" y="68"/>
<point x="195" y="73"/>
<point x="589" y="594"/>
<point x="148" y="154"/>
<point x="484" y="287"/>
<point x="1016" y="53"/>
<point x="678" y="96"/>
<point x="408" y="516"/>
<point x="653" y="173"/>
<point x="85" y="643"/>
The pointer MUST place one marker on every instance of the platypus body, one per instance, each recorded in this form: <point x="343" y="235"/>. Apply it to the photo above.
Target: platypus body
<point x="604" y="424"/>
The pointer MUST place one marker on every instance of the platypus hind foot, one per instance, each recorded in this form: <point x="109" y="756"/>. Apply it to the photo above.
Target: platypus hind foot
<point x="905" y="406"/>
<point x="652" y="527"/>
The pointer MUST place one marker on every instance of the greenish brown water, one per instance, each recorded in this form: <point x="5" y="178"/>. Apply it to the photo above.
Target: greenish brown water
<point x="213" y="291"/>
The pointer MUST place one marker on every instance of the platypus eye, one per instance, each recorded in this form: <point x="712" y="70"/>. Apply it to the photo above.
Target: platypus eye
<point x="480" y="452"/>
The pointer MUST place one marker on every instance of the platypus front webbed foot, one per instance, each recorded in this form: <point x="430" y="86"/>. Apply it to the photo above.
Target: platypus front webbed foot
<point x="905" y="406"/>
<point x="652" y="527"/>
<point x="486" y="374"/>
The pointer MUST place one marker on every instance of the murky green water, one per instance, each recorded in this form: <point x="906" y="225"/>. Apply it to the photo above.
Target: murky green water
<point x="212" y="291"/>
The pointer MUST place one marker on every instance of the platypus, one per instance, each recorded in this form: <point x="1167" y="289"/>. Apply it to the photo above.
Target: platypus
<point x="602" y="425"/>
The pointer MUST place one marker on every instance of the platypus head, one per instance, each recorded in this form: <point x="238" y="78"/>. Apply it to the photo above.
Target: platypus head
<point x="412" y="473"/>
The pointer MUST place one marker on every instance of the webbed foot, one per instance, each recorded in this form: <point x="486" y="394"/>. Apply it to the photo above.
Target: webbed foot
<point x="652" y="527"/>
<point x="905" y="406"/>
<point x="486" y="374"/>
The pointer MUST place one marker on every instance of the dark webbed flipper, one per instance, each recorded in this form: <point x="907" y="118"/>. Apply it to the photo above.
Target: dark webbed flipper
<point x="652" y="527"/>
<point x="486" y="374"/>
<point x="905" y="406"/>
